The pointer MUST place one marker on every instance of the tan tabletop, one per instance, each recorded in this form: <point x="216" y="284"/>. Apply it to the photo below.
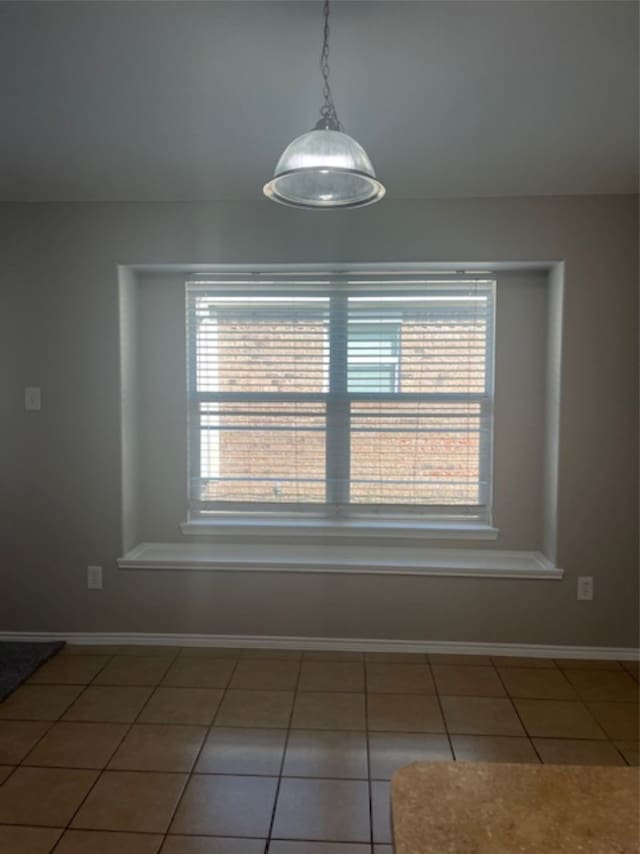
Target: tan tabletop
<point x="494" y="808"/>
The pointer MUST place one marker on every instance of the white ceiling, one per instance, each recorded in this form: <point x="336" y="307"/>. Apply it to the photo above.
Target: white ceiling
<point x="195" y="101"/>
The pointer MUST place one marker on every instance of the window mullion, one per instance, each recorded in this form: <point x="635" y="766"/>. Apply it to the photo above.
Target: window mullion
<point x="338" y="415"/>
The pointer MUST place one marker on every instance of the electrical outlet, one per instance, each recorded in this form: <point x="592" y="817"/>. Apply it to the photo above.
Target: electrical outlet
<point x="32" y="399"/>
<point x="585" y="587"/>
<point x="94" y="577"/>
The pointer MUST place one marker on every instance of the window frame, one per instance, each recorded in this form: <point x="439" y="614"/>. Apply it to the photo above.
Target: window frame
<point x="337" y="510"/>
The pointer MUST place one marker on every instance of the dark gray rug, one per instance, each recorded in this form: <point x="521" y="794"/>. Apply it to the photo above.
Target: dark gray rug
<point x="19" y="660"/>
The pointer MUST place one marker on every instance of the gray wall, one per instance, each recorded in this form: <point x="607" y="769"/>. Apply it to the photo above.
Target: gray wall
<point x="61" y="467"/>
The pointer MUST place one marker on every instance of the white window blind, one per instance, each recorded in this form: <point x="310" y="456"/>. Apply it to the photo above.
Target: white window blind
<point x="334" y="395"/>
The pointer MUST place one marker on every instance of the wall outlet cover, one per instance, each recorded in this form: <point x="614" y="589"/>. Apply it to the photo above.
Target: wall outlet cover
<point x="32" y="399"/>
<point x="585" y="587"/>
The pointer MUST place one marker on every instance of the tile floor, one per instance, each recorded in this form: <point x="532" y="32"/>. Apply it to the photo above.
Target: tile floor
<point x="158" y="750"/>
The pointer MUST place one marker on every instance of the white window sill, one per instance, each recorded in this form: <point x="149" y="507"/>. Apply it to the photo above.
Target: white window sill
<point x="369" y="528"/>
<point x="402" y="560"/>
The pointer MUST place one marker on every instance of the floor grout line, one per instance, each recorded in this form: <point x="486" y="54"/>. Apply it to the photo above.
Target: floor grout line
<point x="304" y="729"/>
<point x="368" y="749"/>
<point x="284" y="755"/>
<point x="444" y="717"/>
<point x="197" y="758"/>
<point x="99" y="772"/>
<point x="53" y="723"/>
<point x="522" y="723"/>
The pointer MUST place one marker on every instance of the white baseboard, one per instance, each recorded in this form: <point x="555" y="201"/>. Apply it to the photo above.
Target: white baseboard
<point x="346" y="644"/>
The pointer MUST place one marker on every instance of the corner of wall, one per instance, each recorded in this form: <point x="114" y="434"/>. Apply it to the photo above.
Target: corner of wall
<point x="128" y="318"/>
<point x="552" y="431"/>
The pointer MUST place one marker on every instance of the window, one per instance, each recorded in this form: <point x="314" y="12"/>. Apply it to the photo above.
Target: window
<point x="332" y="396"/>
<point x="373" y="356"/>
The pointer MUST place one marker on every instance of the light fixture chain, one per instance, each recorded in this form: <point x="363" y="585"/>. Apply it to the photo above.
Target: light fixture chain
<point x="328" y="110"/>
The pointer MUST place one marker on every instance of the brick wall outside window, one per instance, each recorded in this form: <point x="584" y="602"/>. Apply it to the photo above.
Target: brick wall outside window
<point x="427" y="461"/>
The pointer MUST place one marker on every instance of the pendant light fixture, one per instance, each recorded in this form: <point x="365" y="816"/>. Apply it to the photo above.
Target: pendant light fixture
<point x="325" y="168"/>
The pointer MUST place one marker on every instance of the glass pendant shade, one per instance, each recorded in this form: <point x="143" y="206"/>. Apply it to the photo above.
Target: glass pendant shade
<point x="324" y="168"/>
